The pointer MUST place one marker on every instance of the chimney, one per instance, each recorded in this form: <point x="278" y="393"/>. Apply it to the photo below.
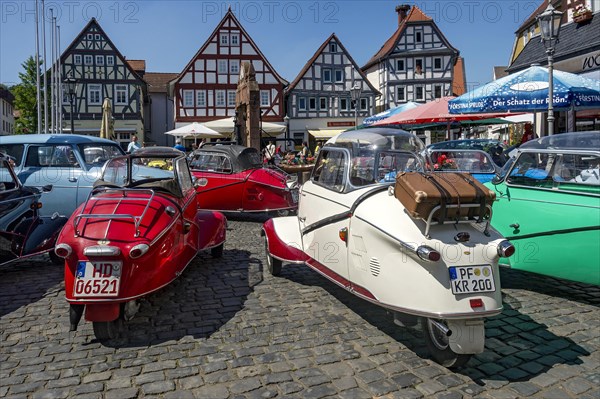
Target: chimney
<point x="402" y="11"/>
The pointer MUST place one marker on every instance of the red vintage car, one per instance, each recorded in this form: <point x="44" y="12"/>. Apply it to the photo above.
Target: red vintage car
<point x="233" y="178"/>
<point x="137" y="231"/>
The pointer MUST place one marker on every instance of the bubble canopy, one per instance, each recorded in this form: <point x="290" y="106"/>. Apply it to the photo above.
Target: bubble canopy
<point x="377" y="139"/>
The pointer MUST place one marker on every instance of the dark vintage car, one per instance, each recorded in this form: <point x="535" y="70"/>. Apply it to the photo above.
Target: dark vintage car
<point x="233" y="178"/>
<point x="23" y="232"/>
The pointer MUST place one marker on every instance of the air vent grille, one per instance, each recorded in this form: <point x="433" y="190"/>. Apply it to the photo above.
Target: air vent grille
<point x="375" y="267"/>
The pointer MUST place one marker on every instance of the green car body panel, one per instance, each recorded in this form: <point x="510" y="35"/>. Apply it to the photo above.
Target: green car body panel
<point x="551" y="215"/>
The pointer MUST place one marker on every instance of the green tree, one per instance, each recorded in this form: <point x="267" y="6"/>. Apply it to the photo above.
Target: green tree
<point x="25" y="99"/>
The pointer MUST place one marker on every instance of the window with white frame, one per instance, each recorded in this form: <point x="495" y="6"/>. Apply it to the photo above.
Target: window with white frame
<point x="419" y="66"/>
<point x="312" y="103"/>
<point x="231" y="98"/>
<point x="200" y="98"/>
<point x="437" y="91"/>
<point x="339" y="75"/>
<point x="97" y="36"/>
<point x="220" y="100"/>
<point x="94" y="94"/>
<point x="323" y="103"/>
<point x="90" y="36"/>
<point x="333" y="47"/>
<point x="419" y="93"/>
<point x="400" y="66"/>
<point x="364" y="104"/>
<point x="222" y="68"/>
<point x="110" y="60"/>
<point x="400" y="93"/>
<point x="235" y="39"/>
<point x="77" y="59"/>
<point x="88" y="59"/>
<point x="327" y="75"/>
<point x="188" y="98"/>
<point x="234" y="66"/>
<point x="121" y="94"/>
<point x="301" y="103"/>
<point x="264" y="98"/>
<point x="99" y="60"/>
<point x="344" y="104"/>
<point x="224" y="39"/>
<point x="437" y="63"/>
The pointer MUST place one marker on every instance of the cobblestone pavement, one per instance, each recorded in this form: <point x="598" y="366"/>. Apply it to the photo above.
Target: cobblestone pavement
<point x="226" y="329"/>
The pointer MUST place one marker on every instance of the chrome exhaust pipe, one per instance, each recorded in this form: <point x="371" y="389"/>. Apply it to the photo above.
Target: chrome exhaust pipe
<point x="442" y="327"/>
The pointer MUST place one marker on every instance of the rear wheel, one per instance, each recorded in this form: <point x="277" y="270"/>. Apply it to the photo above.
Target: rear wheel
<point x="217" y="252"/>
<point x="106" y="330"/>
<point x="57" y="260"/>
<point x="274" y="265"/>
<point x="438" y="344"/>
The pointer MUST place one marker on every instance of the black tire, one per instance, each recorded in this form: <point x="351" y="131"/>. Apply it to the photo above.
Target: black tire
<point x="106" y="330"/>
<point x="217" y="252"/>
<point x="57" y="260"/>
<point x="439" y="347"/>
<point x="274" y="265"/>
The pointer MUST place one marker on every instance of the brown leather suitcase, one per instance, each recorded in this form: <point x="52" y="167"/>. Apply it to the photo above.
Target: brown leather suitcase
<point x="420" y="193"/>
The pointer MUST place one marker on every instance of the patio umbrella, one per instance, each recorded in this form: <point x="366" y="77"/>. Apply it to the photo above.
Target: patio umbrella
<point x="392" y="111"/>
<point x="194" y="130"/>
<point x="527" y="91"/>
<point x="225" y="127"/>
<point x="106" y="126"/>
<point x="435" y="111"/>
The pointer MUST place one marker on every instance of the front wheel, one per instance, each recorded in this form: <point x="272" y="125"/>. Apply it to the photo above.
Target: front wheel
<point x="438" y="344"/>
<point x="274" y="265"/>
<point x="106" y="330"/>
<point x="217" y="252"/>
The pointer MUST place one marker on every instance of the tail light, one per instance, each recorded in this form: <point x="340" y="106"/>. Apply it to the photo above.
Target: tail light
<point x="138" y="251"/>
<point x="429" y="254"/>
<point x="505" y="249"/>
<point x="63" y="250"/>
<point x="343" y="233"/>
<point x="35" y="205"/>
<point x="476" y="303"/>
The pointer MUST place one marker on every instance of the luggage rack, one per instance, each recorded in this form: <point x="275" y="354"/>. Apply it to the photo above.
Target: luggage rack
<point x="458" y="218"/>
<point x="137" y="220"/>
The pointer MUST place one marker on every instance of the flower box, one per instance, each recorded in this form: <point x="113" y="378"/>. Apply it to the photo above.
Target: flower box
<point x="582" y="17"/>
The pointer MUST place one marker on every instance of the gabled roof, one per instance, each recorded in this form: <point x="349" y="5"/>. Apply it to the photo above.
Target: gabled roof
<point x="318" y="52"/>
<point x="137" y="65"/>
<point x="532" y="17"/>
<point x="575" y="39"/>
<point x="94" y="23"/>
<point x="158" y="82"/>
<point x="230" y="14"/>
<point x="415" y="15"/>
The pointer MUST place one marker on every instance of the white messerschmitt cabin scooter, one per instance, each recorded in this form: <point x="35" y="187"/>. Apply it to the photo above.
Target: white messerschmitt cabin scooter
<point x="422" y="247"/>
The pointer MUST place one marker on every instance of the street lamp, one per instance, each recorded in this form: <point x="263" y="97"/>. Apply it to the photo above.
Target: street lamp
<point x="286" y="120"/>
<point x="71" y="84"/>
<point x="550" y="21"/>
<point x="355" y="93"/>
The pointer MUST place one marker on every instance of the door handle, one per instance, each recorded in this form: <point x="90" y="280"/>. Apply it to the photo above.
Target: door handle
<point x="72" y="179"/>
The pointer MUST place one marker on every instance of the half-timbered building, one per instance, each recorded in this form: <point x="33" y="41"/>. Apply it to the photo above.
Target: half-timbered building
<point x="205" y="89"/>
<point x="417" y="63"/>
<point x="101" y="71"/>
<point x="319" y="99"/>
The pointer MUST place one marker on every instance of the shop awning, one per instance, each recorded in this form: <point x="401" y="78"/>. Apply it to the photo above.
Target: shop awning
<point x="325" y="133"/>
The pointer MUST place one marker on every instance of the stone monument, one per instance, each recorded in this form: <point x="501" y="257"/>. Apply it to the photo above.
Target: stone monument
<point x="247" y="107"/>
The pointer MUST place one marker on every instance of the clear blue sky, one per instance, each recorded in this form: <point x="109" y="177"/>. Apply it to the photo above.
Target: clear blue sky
<point x="167" y="34"/>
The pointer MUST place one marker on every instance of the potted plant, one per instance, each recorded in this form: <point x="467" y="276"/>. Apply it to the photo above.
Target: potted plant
<point x="581" y="13"/>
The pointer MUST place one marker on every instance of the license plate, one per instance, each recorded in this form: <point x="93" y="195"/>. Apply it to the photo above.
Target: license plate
<point x="471" y="279"/>
<point x="97" y="279"/>
<point x="295" y="196"/>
